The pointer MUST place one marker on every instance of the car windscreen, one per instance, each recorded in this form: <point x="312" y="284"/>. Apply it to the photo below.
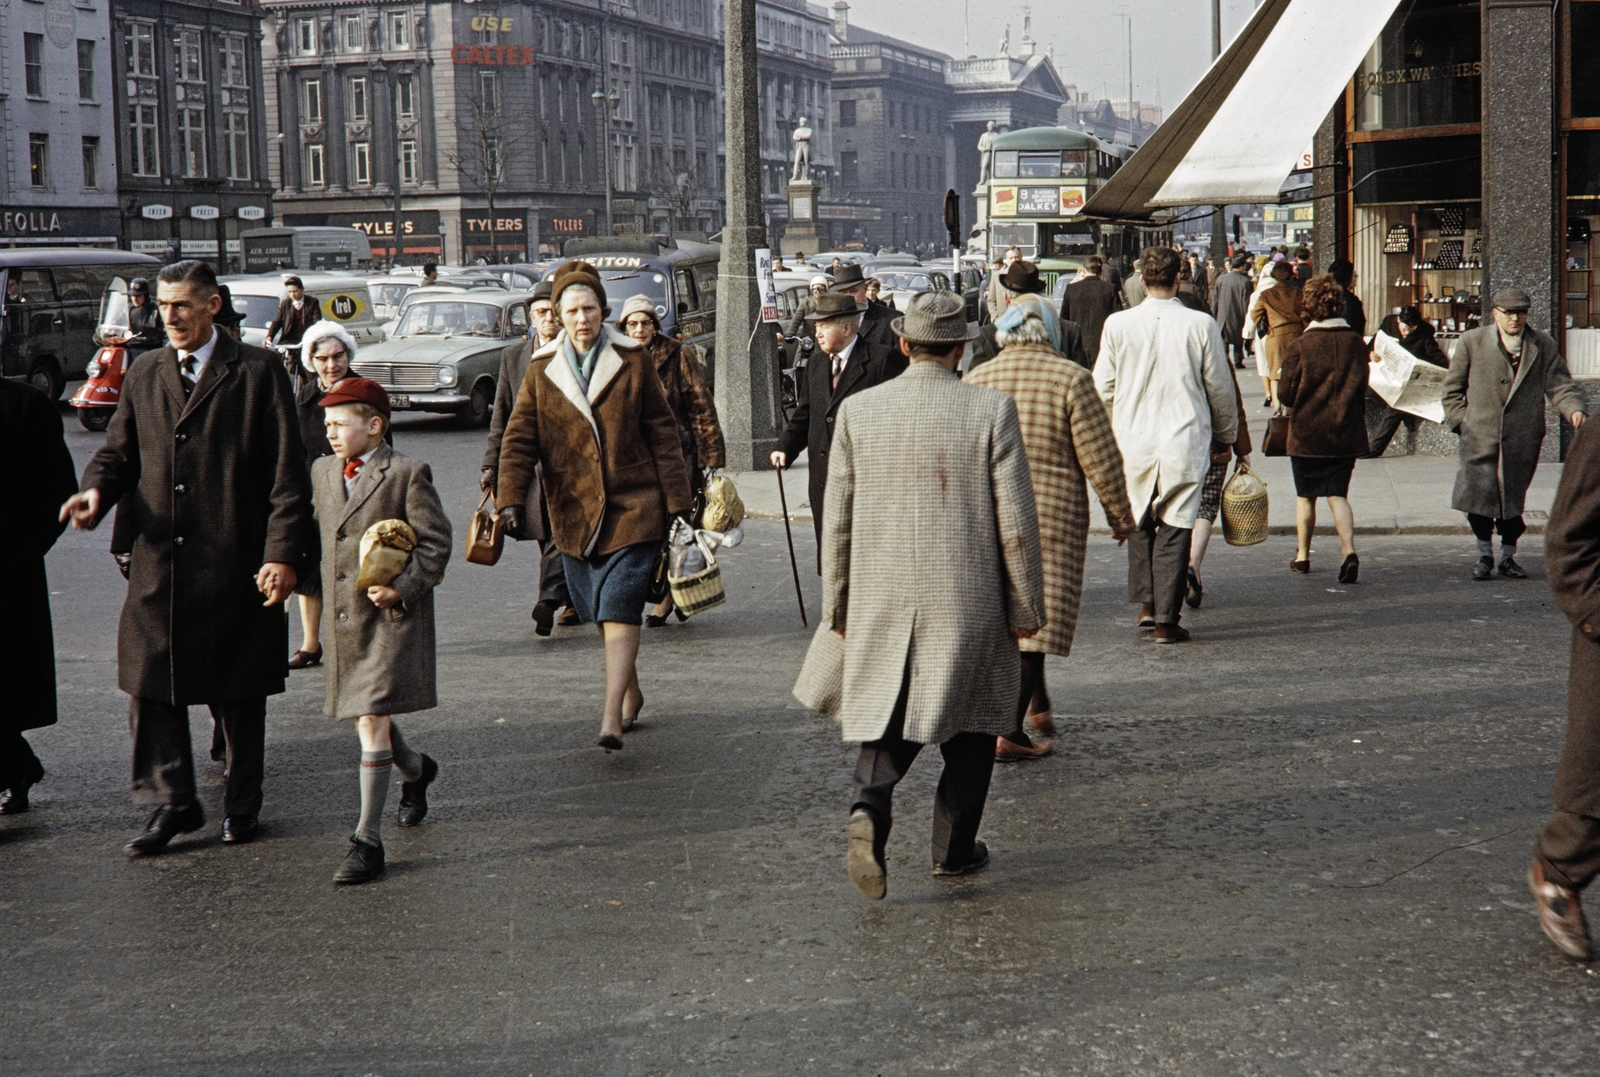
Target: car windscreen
<point x="389" y="293"/>
<point x="904" y="282"/>
<point x="258" y="310"/>
<point x="450" y="316"/>
<point x="624" y="284"/>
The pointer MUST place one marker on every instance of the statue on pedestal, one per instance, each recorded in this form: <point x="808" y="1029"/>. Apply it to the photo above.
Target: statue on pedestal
<point x="985" y="154"/>
<point x="1005" y="42"/>
<point x="802" y="152"/>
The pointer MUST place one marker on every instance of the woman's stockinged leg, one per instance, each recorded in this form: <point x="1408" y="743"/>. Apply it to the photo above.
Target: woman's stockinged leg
<point x="1344" y="521"/>
<point x="311" y="623"/>
<point x="1199" y="539"/>
<point x="1305" y="524"/>
<point x="622" y="675"/>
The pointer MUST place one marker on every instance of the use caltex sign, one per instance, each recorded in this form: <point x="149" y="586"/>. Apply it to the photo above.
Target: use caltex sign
<point x="493" y="55"/>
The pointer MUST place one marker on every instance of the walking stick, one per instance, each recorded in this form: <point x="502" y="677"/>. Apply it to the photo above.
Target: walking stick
<point x="794" y="566"/>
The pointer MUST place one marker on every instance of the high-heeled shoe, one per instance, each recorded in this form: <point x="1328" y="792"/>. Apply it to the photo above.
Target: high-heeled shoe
<point x="628" y="720"/>
<point x="1350" y="569"/>
<point x="652" y="621"/>
<point x="1302" y="567"/>
<point x="610" y="742"/>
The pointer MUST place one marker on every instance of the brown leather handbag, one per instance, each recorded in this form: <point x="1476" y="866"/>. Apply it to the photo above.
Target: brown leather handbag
<point x="1276" y="442"/>
<point x="485" y="540"/>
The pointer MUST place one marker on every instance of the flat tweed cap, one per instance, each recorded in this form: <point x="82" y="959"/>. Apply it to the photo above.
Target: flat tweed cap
<point x="1512" y="300"/>
<point x="934" y="318"/>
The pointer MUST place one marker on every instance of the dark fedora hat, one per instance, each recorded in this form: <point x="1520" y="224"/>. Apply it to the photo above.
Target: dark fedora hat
<point x="1022" y="277"/>
<point x="228" y="315"/>
<point x="834" y="305"/>
<point x="847" y="275"/>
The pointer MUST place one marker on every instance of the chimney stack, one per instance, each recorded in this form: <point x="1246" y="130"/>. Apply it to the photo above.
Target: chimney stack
<point x="841" y="21"/>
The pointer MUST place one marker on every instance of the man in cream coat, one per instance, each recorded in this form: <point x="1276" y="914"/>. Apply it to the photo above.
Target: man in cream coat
<point x="930" y="519"/>
<point x="1164" y="377"/>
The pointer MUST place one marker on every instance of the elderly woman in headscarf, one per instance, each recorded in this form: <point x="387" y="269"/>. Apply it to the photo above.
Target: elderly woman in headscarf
<point x="1067" y="434"/>
<point x="684" y="381"/>
<point x="593" y="417"/>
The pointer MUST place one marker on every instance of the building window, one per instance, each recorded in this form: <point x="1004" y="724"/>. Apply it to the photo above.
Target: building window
<point x="233" y="63"/>
<point x="33" y="63"/>
<point x="544" y="159"/>
<point x="316" y="172"/>
<point x="145" y="141"/>
<point x="680" y="119"/>
<point x="399" y="31"/>
<point x="489" y="92"/>
<point x="406" y="92"/>
<point x="85" y="70"/>
<point x="849" y="170"/>
<point x="39" y="160"/>
<point x="354" y="39"/>
<point x="847" y="113"/>
<point x="311" y="101"/>
<point x="491" y="159"/>
<point x="91" y="163"/>
<point x="186" y="56"/>
<point x="236" y="144"/>
<point x="142" y="49"/>
<point x="192" y="140"/>
<point x="363" y="164"/>
<point x="408" y="161"/>
<point x="305" y="36"/>
<point x="358" y="99"/>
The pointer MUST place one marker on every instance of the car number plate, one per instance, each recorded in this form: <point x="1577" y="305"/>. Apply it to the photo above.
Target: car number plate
<point x="398" y="401"/>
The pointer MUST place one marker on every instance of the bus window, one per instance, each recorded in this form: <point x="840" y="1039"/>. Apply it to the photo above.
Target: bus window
<point x="685" y="288"/>
<point x="1074" y="164"/>
<point x="1039" y="165"/>
<point x="1005" y="164"/>
<point x="1022" y="236"/>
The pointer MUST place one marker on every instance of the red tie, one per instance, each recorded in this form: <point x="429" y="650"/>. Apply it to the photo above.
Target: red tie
<point x="352" y="467"/>
<point x="838" y="369"/>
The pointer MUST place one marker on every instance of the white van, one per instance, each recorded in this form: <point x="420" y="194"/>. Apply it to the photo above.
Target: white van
<point x="343" y="298"/>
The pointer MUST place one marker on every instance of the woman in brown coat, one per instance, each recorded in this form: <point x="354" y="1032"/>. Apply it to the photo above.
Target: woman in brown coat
<point x="1067" y="434"/>
<point x="683" y="379"/>
<point x="1280" y="305"/>
<point x="1325" y="384"/>
<point x="592" y="414"/>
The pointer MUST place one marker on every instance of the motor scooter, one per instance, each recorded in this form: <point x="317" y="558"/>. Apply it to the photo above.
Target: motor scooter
<point x="97" y="398"/>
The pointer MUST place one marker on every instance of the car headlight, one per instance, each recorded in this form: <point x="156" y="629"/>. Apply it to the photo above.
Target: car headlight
<point x="447" y="375"/>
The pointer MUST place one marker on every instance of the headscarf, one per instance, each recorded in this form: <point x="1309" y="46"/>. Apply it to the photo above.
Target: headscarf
<point x="1030" y="305"/>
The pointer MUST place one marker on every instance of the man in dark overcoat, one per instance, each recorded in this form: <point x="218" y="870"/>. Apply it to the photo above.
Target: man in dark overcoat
<point x="1567" y="852"/>
<point x="36" y="474"/>
<point x="1494" y="394"/>
<point x="1022" y="278"/>
<point x="1230" y="298"/>
<point x="850" y="280"/>
<point x="844" y="363"/>
<point x="1088" y="302"/>
<point x="205" y="458"/>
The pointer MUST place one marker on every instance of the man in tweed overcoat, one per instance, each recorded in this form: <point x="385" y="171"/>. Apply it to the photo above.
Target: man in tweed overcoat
<point x="930" y="572"/>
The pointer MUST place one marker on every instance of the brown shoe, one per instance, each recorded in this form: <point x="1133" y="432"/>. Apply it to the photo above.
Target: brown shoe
<point x="1044" y="722"/>
<point x="1147" y="615"/>
<point x="1560" y="914"/>
<point x="568" y="617"/>
<point x="1171" y="634"/>
<point x="304" y="660"/>
<point x="866" y="869"/>
<point x="1008" y="751"/>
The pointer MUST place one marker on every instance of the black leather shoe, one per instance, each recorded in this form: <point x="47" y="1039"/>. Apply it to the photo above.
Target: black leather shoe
<point x="544" y="618"/>
<point x="979" y="861"/>
<point x="238" y="829"/>
<point x="164" y="825"/>
<point x="14" y="801"/>
<point x="652" y="621"/>
<point x="1350" y="569"/>
<point x="1511" y="570"/>
<point x="362" y="864"/>
<point x="1484" y="569"/>
<point x="1194" y="593"/>
<point x="414" y="795"/>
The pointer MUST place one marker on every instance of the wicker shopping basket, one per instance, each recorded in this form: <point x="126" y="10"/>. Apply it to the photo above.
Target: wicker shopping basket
<point x="1244" y="508"/>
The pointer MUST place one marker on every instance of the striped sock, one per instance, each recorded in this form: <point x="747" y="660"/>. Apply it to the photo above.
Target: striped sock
<point x="374" y="788"/>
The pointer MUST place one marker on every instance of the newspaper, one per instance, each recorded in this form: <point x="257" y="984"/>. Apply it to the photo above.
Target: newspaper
<point x="1405" y="382"/>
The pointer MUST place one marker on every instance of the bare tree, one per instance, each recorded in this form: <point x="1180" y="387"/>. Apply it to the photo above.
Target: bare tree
<point x="488" y="144"/>
<point x="679" y="187"/>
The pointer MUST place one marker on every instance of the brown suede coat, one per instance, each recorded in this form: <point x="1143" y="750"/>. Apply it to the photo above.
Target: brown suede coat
<point x="613" y="469"/>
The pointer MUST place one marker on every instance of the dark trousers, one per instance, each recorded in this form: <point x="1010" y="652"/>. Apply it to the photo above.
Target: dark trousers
<point x="1379" y="436"/>
<point x="163" y="759"/>
<point x="18" y="764"/>
<point x="1568" y="849"/>
<point x="1511" y="528"/>
<point x="1158" y="563"/>
<point x="552" y="576"/>
<point x="958" y="803"/>
<point x="1234" y="348"/>
<point x="1034" y="698"/>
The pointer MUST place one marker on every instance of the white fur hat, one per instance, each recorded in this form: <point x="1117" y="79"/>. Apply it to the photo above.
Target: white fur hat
<point x="321" y="331"/>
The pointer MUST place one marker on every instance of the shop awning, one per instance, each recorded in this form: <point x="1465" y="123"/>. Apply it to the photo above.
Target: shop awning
<point x="1243" y="128"/>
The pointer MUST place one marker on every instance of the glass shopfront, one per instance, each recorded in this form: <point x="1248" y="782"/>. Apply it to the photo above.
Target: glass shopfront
<point x="1580" y="126"/>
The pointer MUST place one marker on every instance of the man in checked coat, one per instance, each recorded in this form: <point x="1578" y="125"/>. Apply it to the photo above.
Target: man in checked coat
<point x="931" y="574"/>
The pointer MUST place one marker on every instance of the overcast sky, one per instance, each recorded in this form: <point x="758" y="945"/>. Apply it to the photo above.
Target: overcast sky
<point x="1171" y="38"/>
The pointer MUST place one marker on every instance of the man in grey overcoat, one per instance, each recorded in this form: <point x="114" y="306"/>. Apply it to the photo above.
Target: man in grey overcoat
<point x="930" y="573"/>
<point x="205" y="458"/>
<point x="1494" y="396"/>
<point x="1230" y="298"/>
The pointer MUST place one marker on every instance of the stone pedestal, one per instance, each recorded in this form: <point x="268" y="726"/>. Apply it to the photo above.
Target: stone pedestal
<point x="801" y="233"/>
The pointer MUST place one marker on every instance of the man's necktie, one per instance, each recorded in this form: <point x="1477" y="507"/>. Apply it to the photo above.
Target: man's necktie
<point x="188" y="372"/>
<point x="352" y="467"/>
<point x="838" y="369"/>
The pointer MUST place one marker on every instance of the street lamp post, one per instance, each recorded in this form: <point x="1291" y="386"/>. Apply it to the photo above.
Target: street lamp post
<point x="908" y="143"/>
<point x="601" y="101"/>
<point x="380" y="75"/>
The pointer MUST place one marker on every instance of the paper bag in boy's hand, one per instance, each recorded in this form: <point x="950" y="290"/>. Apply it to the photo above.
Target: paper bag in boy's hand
<point x="385" y="551"/>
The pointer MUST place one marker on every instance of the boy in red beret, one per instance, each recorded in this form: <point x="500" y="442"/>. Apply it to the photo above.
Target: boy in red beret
<point x="379" y="639"/>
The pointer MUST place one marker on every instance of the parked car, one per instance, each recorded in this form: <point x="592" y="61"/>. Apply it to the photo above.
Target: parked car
<point x="387" y="291"/>
<point x="343" y="298"/>
<point x="519" y="277"/>
<point x="444" y="354"/>
<point x="443" y="286"/>
<point x="900" y="283"/>
<point x="50" y="300"/>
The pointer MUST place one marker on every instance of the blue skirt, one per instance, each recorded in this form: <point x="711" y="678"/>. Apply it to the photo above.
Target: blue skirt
<point x="613" y="586"/>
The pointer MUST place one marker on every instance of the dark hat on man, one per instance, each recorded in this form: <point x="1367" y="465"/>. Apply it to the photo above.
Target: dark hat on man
<point x="576" y="272"/>
<point x="934" y="318"/>
<point x="138" y="286"/>
<point x="542" y="290"/>
<point x="848" y="275"/>
<point x="227" y="316"/>
<point x="834" y="305"/>
<point x="1513" y="301"/>
<point x="358" y="390"/>
<point x="1022" y="277"/>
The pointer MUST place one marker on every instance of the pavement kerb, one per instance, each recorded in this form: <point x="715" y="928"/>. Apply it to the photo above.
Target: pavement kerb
<point x="1534" y="528"/>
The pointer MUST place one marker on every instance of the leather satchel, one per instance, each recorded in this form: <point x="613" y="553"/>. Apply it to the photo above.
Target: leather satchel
<point x="485" y="540"/>
<point x="1276" y="442"/>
